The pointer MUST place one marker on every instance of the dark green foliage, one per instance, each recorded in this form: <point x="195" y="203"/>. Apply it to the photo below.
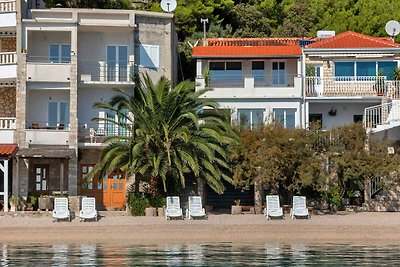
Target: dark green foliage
<point x="137" y="204"/>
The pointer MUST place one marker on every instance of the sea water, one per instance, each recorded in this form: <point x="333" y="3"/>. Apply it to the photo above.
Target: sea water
<point x="220" y="254"/>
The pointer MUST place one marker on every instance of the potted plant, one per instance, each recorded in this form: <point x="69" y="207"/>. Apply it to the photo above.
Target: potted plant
<point x="13" y="200"/>
<point x="31" y="202"/>
<point x="236" y="209"/>
<point x="45" y="202"/>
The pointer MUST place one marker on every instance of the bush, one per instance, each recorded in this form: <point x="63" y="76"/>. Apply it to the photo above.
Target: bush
<point x="158" y="202"/>
<point x="137" y="204"/>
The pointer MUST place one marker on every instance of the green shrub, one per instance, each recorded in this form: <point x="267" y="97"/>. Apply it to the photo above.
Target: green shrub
<point x="138" y="203"/>
<point x="158" y="202"/>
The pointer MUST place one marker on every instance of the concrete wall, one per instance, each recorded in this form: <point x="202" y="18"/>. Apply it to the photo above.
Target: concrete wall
<point x="344" y="114"/>
<point x="39" y="41"/>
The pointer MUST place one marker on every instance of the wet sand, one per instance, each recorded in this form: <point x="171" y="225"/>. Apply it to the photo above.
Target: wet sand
<point x="348" y="228"/>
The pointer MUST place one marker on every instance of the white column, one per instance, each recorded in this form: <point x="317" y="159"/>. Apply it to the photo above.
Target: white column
<point x="199" y="68"/>
<point x="4" y="169"/>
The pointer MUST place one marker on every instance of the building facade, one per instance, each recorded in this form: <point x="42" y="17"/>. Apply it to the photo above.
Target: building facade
<point x="68" y="60"/>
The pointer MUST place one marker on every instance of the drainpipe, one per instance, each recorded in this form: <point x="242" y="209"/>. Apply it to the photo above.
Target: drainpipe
<point x="302" y="101"/>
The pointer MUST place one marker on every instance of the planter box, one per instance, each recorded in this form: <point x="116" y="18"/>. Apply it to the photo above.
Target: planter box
<point x="150" y="212"/>
<point x="236" y="210"/>
<point x="160" y="212"/>
<point x="45" y="203"/>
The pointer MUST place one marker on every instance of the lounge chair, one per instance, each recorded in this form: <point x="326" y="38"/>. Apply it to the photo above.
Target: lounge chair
<point x="61" y="210"/>
<point x="299" y="208"/>
<point x="173" y="209"/>
<point x="88" y="210"/>
<point x="195" y="209"/>
<point x="273" y="208"/>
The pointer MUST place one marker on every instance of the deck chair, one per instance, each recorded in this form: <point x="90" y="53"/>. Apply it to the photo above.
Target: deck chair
<point x="299" y="208"/>
<point x="173" y="209"/>
<point x="273" y="208"/>
<point x="61" y="210"/>
<point x="195" y="210"/>
<point x="88" y="210"/>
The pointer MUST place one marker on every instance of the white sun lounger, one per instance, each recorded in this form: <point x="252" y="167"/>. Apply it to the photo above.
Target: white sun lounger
<point x="273" y="208"/>
<point x="195" y="209"/>
<point x="61" y="210"/>
<point x="173" y="209"/>
<point x="88" y="210"/>
<point x="299" y="208"/>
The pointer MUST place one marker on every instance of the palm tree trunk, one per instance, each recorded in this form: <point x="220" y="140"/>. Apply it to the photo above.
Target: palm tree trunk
<point x="153" y="186"/>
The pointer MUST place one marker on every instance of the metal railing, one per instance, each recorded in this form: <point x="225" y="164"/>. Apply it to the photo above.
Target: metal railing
<point x="274" y="81"/>
<point x="382" y="114"/>
<point x="97" y="132"/>
<point x="226" y="81"/>
<point x="48" y="60"/>
<point x="375" y="186"/>
<point x="393" y="89"/>
<point x="8" y="57"/>
<point x="346" y="86"/>
<point x="7" y="6"/>
<point x="7" y="123"/>
<point x="47" y="125"/>
<point x="105" y="71"/>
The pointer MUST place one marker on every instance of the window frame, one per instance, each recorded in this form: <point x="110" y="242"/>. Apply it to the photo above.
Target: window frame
<point x="59" y="59"/>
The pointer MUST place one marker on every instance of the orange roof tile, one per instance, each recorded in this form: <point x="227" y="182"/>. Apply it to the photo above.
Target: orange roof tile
<point x="246" y="51"/>
<point x="351" y="39"/>
<point x="7" y="150"/>
<point x="252" y="41"/>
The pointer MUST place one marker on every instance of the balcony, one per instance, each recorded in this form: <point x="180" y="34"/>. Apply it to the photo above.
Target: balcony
<point x="238" y="86"/>
<point x="105" y="72"/>
<point x="45" y="133"/>
<point x="8" y="66"/>
<point x="8" y="18"/>
<point x="95" y="133"/>
<point x="7" y="129"/>
<point x="361" y="86"/>
<point x="41" y="69"/>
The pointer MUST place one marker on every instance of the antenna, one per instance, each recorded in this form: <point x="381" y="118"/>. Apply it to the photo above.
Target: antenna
<point x="392" y="28"/>
<point x="168" y="5"/>
<point x="204" y="21"/>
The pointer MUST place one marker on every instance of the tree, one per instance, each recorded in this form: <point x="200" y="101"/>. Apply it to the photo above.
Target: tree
<point x="169" y="136"/>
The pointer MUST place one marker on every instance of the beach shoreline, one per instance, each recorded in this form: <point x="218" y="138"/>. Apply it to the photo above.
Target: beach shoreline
<point x="347" y="228"/>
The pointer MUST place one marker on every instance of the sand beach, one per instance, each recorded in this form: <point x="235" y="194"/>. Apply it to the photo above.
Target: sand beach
<point x="349" y="228"/>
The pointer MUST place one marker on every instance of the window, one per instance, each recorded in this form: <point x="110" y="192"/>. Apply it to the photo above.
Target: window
<point x="358" y="118"/>
<point x="250" y="118"/>
<point x="41" y="178"/>
<point x="226" y="74"/>
<point x="315" y="121"/>
<point x="257" y="71"/>
<point x="117" y="63"/>
<point x="278" y="73"/>
<point x="344" y="69"/>
<point x="150" y="56"/>
<point x="60" y="53"/>
<point x="285" y="117"/>
<point x="58" y="113"/>
<point x="86" y="183"/>
<point x="387" y="68"/>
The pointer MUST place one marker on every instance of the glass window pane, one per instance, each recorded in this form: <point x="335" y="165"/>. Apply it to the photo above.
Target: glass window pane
<point x="281" y="65"/>
<point x="233" y="65"/>
<point x="217" y="66"/>
<point x="64" y="113"/>
<point x="65" y="53"/>
<point x="115" y="186"/>
<point x="274" y="65"/>
<point x="38" y="170"/>
<point x="38" y="187"/>
<point x="290" y="118"/>
<point x="99" y="186"/>
<point x="90" y="185"/>
<point x="120" y="186"/>
<point x="387" y="69"/>
<point x="84" y="169"/>
<point x="111" y="62"/>
<point x="38" y="178"/>
<point x="123" y="63"/>
<point x="52" y="113"/>
<point x="243" y="117"/>
<point x="366" y="68"/>
<point x="257" y="65"/>
<point x="44" y="185"/>
<point x="279" y="116"/>
<point x="257" y="117"/>
<point x="90" y="168"/>
<point x="344" y="68"/>
<point x="54" y="53"/>
<point x="105" y="186"/>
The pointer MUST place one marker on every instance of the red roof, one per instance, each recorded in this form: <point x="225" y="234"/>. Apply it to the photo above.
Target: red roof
<point x="246" y="51"/>
<point x="248" y="47"/>
<point x="7" y="150"/>
<point x="351" y="39"/>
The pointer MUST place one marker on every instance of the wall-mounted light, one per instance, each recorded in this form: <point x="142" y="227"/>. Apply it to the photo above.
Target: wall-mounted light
<point x="332" y="112"/>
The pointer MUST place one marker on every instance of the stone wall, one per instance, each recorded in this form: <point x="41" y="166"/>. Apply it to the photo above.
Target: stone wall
<point x="7" y="102"/>
<point x="8" y="44"/>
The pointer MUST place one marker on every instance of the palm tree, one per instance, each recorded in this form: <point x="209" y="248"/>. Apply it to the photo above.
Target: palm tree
<point x="168" y="136"/>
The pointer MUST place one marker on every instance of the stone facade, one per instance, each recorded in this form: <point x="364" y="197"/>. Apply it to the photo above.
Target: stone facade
<point x="8" y="44"/>
<point x="7" y="101"/>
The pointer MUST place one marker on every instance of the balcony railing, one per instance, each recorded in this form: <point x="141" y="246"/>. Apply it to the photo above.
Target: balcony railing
<point x="7" y="6"/>
<point x="97" y="132"/>
<point x="345" y="86"/>
<point x="8" y="58"/>
<point x="274" y="81"/>
<point x="7" y="123"/>
<point x="393" y="89"/>
<point x="46" y="125"/>
<point x="226" y="81"/>
<point x="115" y="72"/>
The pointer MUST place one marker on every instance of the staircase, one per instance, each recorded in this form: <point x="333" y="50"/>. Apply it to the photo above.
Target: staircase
<point x="386" y="115"/>
<point x="383" y="199"/>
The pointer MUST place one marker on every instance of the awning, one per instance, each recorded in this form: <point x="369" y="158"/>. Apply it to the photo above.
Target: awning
<point x="7" y="151"/>
<point x="46" y="153"/>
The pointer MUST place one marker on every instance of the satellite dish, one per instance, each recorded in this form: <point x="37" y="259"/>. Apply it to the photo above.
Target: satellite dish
<point x="392" y="28"/>
<point x="168" y="5"/>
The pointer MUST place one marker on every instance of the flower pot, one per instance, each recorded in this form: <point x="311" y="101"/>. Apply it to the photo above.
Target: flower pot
<point x="45" y="203"/>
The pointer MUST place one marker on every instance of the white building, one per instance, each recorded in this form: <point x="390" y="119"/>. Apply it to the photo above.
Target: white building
<point x="68" y="59"/>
